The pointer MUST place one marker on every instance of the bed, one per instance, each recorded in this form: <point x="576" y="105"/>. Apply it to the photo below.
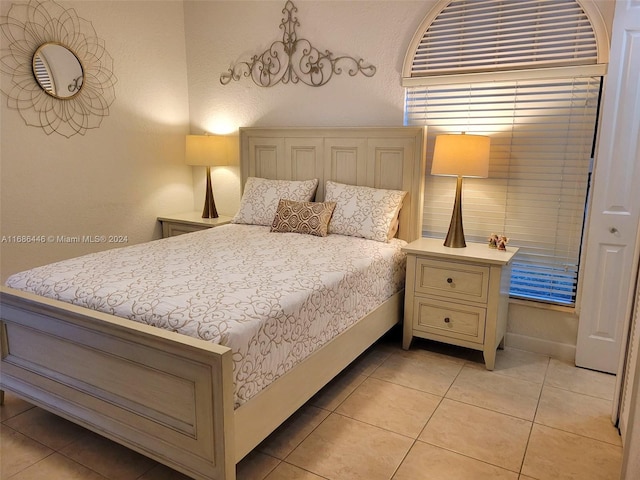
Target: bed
<point x="170" y="396"/>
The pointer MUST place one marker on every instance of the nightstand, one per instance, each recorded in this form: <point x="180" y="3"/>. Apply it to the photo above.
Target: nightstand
<point x="180" y="223"/>
<point x="457" y="295"/>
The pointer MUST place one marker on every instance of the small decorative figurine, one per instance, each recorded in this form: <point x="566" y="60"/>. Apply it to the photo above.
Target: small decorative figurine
<point x="493" y="241"/>
<point x="502" y="242"/>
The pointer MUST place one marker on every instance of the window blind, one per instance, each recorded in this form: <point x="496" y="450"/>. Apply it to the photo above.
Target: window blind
<point x="542" y="133"/>
<point x="43" y="74"/>
<point x="489" y="35"/>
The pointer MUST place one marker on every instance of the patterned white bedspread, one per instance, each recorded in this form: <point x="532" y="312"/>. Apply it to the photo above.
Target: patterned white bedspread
<point x="273" y="298"/>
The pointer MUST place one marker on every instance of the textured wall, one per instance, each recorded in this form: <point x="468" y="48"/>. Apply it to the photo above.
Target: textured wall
<point x="222" y="33"/>
<point x="168" y="57"/>
<point x="116" y="179"/>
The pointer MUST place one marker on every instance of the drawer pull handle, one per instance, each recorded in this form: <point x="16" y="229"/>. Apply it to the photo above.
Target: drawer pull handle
<point x="447" y="319"/>
<point x="449" y="280"/>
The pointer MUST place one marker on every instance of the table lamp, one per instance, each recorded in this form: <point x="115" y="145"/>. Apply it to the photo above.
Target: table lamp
<point x="463" y="156"/>
<point x="208" y="151"/>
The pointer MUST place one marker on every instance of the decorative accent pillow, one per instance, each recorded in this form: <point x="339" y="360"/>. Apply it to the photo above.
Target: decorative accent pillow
<point x="261" y="196"/>
<point x="303" y="217"/>
<point x="364" y="211"/>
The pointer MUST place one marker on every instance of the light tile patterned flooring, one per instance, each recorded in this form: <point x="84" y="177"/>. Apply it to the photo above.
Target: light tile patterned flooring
<point x="431" y="413"/>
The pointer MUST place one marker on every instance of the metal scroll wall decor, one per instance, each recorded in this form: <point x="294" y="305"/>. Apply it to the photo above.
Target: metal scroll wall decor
<point x="55" y="70"/>
<point x="294" y="60"/>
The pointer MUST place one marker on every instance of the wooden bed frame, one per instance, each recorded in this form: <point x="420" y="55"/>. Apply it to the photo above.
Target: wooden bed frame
<point x="168" y="396"/>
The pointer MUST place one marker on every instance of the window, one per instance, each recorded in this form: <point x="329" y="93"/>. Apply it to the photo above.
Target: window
<point x="542" y="135"/>
<point x="527" y="74"/>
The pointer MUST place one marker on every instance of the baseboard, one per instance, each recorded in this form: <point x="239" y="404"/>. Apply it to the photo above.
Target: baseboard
<point x="561" y="351"/>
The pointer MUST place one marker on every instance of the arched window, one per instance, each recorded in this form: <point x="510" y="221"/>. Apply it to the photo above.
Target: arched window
<point x="528" y="74"/>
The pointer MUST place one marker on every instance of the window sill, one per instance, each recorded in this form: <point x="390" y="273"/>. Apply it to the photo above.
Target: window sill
<point x="542" y="305"/>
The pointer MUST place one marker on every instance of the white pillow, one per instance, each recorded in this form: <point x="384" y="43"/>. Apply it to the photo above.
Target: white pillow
<point x="364" y="211"/>
<point x="261" y="196"/>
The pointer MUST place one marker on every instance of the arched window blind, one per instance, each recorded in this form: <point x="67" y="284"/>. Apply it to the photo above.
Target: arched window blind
<point x="525" y="73"/>
<point x="489" y="35"/>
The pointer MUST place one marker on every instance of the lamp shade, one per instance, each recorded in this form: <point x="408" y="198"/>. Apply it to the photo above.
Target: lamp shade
<point x="208" y="150"/>
<point x="461" y="155"/>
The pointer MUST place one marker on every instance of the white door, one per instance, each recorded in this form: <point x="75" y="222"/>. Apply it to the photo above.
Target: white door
<point x="611" y="251"/>
<point x="628" y="373"/>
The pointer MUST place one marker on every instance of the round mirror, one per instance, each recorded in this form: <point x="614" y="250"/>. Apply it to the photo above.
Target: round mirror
<point x="57" y="70"/>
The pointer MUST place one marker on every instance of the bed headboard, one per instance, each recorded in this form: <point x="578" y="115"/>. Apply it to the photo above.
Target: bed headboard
<point x="388" y="157"/>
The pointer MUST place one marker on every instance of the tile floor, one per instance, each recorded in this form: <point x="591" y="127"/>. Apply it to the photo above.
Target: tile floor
<point x="430" y="413"/>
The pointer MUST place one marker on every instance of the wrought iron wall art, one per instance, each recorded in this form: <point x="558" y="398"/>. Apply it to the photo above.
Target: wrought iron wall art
<point x="55" y="70"/>
<point x="294" y="60"/>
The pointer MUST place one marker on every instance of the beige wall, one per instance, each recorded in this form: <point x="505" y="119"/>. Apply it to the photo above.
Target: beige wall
<point x="114" y="180"/>
<point x="222" y="33"/>
<point x="168" y="57"/>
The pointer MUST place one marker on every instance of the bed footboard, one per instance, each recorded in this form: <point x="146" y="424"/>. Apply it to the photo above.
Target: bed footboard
<point x="167" y="396"/>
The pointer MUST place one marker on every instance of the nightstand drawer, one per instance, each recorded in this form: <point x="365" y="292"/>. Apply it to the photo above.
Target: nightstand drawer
<point x="452" y="280"/>
<point x="180" y="223"/>
<point x="180" y="229"/>
<point x="464" y="322"/>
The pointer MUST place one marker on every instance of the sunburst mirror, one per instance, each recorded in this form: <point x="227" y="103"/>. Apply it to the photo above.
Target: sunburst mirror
<point x="55" y="70"/>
